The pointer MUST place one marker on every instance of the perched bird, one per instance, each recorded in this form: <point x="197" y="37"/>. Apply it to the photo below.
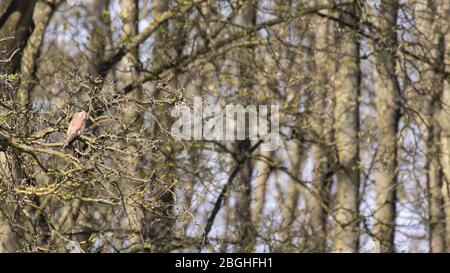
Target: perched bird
<point x="76" y="127"/>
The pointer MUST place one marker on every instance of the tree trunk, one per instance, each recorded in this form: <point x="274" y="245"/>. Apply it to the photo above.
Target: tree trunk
<point x="262" y="174"/>
<point x="41" y="17"/>
<point x="322" y="69"/>
<point x="346" y="114"/>
<point x="246" y="232"/>
<point x="431" y="87"/>
<point x="298" y="157"/>
<point x="15" y="27"/>
<point x="387" y="95"/>
<point x="158" y="222"/>
<point x="129" y="73"/>
<point x="444" y="116"/>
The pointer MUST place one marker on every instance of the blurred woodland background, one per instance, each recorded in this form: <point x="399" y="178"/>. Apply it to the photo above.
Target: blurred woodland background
<point x="364" y="95"/>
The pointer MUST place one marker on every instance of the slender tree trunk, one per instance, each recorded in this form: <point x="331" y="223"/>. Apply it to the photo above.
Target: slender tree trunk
<point x="346" y="114"/>
<point x="129" y="73"/>
<point x="322" y="68"/>
<point x="263" y="170"/>
<point x="298" y="157"/>
<point x="42" y="14"/>
<point x="158" y="222"/>
<point x="444" y="116"/>
<point x="99" y="34"/>
<point x="15" y="27"/>
<point x="431" y="86"/>
<point x="246" y="232"/>
<point x="387" y="95"/>
<point x="41" y="17"/>
<point x="8" y="237"/>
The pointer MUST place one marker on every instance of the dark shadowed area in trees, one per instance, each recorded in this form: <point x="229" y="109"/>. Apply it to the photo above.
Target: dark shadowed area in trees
<point x="363" y="90"/>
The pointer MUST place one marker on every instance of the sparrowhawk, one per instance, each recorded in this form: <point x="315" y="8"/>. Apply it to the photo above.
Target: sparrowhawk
<point x="76" y="127"/>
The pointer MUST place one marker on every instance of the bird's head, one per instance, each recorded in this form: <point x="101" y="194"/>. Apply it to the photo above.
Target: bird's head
<point x="83" y="115"/>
